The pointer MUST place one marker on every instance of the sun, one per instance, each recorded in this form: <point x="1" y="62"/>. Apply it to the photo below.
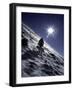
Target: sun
<point x="50" y="31"/>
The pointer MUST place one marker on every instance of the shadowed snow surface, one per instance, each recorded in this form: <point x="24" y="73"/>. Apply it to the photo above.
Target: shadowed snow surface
<point x="39" y="62"/>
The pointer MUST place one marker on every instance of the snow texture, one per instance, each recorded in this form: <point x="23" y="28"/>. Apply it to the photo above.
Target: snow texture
<point x="37" y="61"/>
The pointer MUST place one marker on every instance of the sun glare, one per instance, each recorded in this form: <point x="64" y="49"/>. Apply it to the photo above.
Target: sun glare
<point x="50" y="31"/>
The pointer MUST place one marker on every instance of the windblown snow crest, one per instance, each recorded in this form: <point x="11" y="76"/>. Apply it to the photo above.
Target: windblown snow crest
<point x="36" y="63"/>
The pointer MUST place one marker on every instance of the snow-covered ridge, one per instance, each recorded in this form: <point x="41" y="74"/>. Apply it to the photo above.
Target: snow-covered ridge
<point x="33" y="35"/>
<point x="37" y="61"/>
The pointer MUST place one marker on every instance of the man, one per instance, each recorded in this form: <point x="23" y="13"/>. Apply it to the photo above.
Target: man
<point x="40" y="45"/>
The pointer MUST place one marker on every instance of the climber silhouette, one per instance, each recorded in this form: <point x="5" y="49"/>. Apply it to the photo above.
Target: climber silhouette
<point x="41" y="43"/>
<point x="40" y="46"/>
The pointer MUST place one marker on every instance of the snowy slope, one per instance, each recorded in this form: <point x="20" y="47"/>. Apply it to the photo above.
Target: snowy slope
<point x="35" y="63"/>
